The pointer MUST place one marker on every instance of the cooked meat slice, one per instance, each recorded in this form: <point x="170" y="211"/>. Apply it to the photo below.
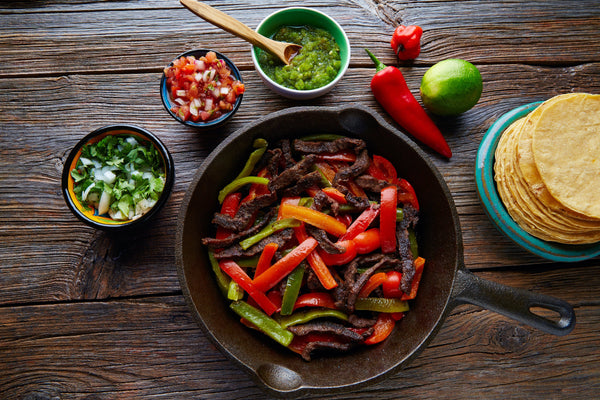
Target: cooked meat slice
<point x="363" y="278"/>
<point x="357" y="168"/>
<point x="411" y="217"/>
<point x="287" y="153"/>
<point x="293" y="174"/>
<point x="318" y="147"/>
<point x="316" y="346"/>
<point x="214" y="243"/>
<point x="360" y="203"/>
<point x="359" y="322"/>
<point x="280" y="237"/>
<point x="305" y="182"/>
<point x="245" y="213"/>
<point x="322" y="202"/>
<point x="326" y="327"/>
<point x="370" y="183"/>
<point x="324" y="242"/>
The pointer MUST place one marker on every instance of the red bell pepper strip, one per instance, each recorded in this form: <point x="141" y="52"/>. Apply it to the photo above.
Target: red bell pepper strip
<point x="367" y="241"/>
<point x="335" y="194"/>
<point x="361" y="223"/>
<point x="284" y="266"/>
<point x="374" y="281"/>
<point x="313" y="217"/>
<point x="390" y="90"/>
<point x="406" y="42"/>
<point x="414" y="286"/>
<point x="381" y="168"/>
<point x="387" y="219"/>
<point x="236" y="273"/>
<point x="343" y="258"/>
<point x="229" y="207"/>
<point x="264" y="261"/>
<point x="257" y="189"/>
<point x="345" y="219"/>
<point x="391" y="286"/>
<point x="316" y="262"/>
<point x="382" y="328"/>
<point x="406" y="193"/>
<point x="315" y="299"/>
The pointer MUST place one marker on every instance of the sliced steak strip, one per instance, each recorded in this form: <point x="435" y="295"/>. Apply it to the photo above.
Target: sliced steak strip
<point x="235" y="251"/>
<point x="318" y="346"/>
<point x="293" y="174"/>
<point x="370" y="183"/>
<point x="363" y="278"/>
<point x="324" y="242"/>
<point x="287" y="153"/>
<point x="214" y="243"/>
<point x="319" y="147"/>
<point x="326" y="327"/>
<point x="305" y="182"/>
<point x="411" y="217"/>
<point x="357" y="168"/>
<point x="245" y="213"/>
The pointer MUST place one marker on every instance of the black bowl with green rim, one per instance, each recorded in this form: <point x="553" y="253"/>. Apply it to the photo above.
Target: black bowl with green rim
<point x="90" y="213"/>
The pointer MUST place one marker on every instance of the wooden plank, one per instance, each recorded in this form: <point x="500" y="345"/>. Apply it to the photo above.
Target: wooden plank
<point x="44" y="117"/>
<point x="132" y="37"/>
<point x="151" y="347"/>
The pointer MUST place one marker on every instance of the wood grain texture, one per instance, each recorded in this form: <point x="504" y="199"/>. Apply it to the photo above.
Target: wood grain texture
<point x="88" y="315"/>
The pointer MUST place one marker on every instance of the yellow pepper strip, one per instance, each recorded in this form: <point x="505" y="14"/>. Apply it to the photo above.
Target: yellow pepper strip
<point x="313" y="217"/>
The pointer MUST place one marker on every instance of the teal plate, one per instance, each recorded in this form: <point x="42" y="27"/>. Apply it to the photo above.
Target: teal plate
<point x="494" y="208"/>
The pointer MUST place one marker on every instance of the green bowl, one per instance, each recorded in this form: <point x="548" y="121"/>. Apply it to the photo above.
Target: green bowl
<point x="299" y="16"/>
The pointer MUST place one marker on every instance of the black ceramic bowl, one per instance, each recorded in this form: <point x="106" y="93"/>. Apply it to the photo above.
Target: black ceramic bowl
<point x="445" y="282"/>
<point x="90" y="215"/>
<point x="168" y="103"/>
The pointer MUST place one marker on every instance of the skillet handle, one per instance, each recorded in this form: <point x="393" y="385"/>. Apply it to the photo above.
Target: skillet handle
<point x="512" y="302"/>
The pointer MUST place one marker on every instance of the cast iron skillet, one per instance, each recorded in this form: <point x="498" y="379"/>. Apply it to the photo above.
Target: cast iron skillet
<point x="446" y="282"/>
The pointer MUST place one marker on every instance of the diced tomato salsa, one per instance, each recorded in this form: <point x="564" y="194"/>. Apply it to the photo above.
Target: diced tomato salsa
<point x="202" y="89"/>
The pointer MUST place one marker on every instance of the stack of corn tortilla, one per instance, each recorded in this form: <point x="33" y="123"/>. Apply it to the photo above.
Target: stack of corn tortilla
<point x="547" y="170"/>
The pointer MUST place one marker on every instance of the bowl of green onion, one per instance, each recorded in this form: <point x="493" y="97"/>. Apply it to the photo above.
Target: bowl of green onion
<point x="117" y="177"/>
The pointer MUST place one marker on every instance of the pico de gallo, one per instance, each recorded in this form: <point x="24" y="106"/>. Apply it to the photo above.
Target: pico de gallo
<point x="315" y="244"/>
<point x="201" y="89"/>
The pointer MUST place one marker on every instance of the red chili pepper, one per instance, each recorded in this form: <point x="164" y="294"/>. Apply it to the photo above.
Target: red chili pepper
<point x="387" y="219"/>
<point x="390" y="90"/>
<point x="406" y="41"/>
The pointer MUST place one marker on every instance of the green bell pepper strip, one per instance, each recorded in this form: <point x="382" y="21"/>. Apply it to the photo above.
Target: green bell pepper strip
<point x="222" y="279"/>
<point x="268" y="231"/>
<point x="414" y="248"/>
<point x="238" y="183"/>
<point x="262" y="322"/>
<point x="248" y="262"/>
<point x="381" y="304"/>
<point x="324" y="181"/>
<point x="235" y="292"/>
<point x="324" y="137"/>
<point x="303" y="317"/>
<point x="399" y="214"/>
<point x="261" y="146"/>
<point x="292" y="289"/>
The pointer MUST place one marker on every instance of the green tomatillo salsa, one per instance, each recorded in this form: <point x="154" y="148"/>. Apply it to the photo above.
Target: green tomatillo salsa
<point x="317" y="63"/>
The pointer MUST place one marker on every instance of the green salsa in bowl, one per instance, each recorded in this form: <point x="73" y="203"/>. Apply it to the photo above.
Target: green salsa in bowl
<point x="320" y="64"/>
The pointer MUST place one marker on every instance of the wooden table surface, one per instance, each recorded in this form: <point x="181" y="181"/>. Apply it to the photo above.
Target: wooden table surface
<point x="85" y="315"/>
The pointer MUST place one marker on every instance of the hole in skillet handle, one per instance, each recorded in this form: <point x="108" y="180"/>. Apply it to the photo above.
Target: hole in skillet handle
<point x="546" y="313"/>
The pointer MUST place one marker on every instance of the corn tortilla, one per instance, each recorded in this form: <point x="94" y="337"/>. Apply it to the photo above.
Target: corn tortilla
<point x="566" y="150"/>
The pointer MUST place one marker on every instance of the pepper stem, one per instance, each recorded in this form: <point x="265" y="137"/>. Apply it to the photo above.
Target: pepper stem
<point x="378" y="64"/>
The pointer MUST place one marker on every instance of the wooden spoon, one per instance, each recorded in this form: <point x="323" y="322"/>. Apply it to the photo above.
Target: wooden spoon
<point x="285" y="51"/>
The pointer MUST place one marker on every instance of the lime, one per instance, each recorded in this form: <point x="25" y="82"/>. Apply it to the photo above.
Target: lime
<point x="451" y="87"/>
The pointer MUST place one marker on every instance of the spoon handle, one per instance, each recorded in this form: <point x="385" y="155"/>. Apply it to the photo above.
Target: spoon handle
<point x="226" y="22"/>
